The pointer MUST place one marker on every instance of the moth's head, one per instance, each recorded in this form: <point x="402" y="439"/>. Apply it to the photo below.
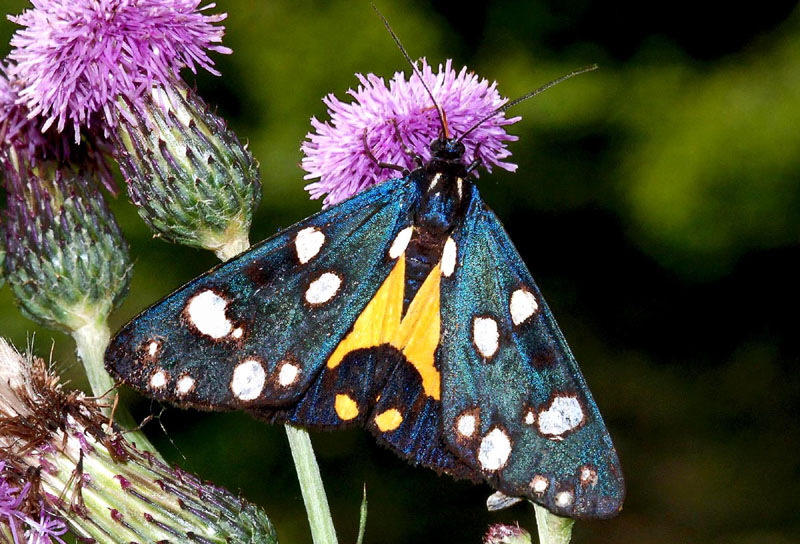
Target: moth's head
<point x="448" y="149"/>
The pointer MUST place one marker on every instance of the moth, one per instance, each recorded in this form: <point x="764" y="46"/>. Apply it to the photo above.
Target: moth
<point x="406" y="310"/>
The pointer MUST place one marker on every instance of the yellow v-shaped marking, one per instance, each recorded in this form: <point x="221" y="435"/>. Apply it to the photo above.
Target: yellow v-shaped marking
<point x="416" y="334"/>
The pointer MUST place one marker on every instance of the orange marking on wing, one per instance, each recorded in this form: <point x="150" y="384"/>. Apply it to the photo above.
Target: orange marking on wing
<point x="389" y="420"/>
<point x="346" y="408"/>
<point x="416" y="335"/>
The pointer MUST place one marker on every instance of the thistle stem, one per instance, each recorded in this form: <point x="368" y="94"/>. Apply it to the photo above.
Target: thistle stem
<point x="319" y="514"/>
<point x="91" y="342"/>
<point x="552" y="529"/>
<point x="232" y="246"/>
<point x="305" y="462"/>
<point x="362" y="518"/>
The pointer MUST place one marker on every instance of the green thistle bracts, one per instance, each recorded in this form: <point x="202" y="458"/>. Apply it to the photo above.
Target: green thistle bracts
<point x="66" y="260"/>
<point x="130" y="496"/>
<point x="100" y="484"/>
<point x="192" y="180"/>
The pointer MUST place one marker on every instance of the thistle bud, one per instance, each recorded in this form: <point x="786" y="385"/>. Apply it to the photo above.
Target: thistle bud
<point x="67" y="262"/>
<point x="506" y="534"/>
<point x="76" y="468"/>
<point x="192" y="180"/>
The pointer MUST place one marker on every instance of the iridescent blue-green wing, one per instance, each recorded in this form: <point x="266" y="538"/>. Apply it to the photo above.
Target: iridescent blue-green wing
<point x="255" y="331"/>
<point x="515" y="405"/>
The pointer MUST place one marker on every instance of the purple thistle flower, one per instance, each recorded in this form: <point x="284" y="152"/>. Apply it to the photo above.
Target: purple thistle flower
<point x="22" y="139"/>
<point x="75" y="57"/>
<point x="11" y="498"/>
<point x="336" y="154"/>
<point x="15" y="127"/>
<point x="45" y="529"/>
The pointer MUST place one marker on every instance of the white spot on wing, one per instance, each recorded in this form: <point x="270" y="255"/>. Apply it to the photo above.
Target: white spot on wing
<point x="563" y="499"/>
<point x="564" y="414"/>
<point x="206" y="311"/>
<point x="308" y="242"/>
<point x="588" y="476"/>
<point x="158" y="379"/>
<point x="523" y="305"/>
<point x="449" y="254"/>
<point x="323" y="288"/>
<point x="248" y="380"/>
<point x="152" y="349"/>
<point x="465" y="425"/>
<point x="485" y="335"/>
<point x="494" y="450"/>
<point x="288" y="374"/>
<point x="401" y="242"/>
<point x="529" y="418"/>
<point x="539" y="484"/>
<point x="185" y="385"/>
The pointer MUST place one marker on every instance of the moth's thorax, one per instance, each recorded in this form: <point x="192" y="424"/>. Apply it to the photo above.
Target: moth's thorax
<point x="445" y="186"/>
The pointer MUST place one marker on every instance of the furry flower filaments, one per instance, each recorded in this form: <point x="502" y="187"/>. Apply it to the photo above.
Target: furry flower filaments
<point x="337" y="154"/>
<point x="73" y="57"/>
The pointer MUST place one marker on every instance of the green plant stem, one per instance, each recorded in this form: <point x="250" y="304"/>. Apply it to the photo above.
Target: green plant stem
<point x="235" y="243"/>
<point x="552" y="529"/>
<point x="319" y="514"/>
<point x="362" y="518"/>
<point x="91" y="342"/>
<point x="305" y="462"/>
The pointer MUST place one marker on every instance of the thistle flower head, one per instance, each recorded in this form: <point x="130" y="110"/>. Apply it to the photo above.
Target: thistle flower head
<point x="59" y="447"/>
<point x="23" y="516"/>
<point x="383" y="119"/>
<point x="506" y="534"/>
<point x="73" y="58"/>
<point x="19" y="132"/>
<point x="15" y="127"/>
<point x="23" y="140"/>
<point x="12" y="515"/>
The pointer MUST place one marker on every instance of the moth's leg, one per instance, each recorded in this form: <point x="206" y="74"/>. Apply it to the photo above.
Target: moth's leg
<point x="476" y="162"/>
<point x="418" y="162"/>
<point x="372" y="156"/>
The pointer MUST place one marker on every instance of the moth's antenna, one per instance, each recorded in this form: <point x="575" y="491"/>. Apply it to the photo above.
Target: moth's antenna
<point x="531" y="94"/>
<point x="442" y="116"/>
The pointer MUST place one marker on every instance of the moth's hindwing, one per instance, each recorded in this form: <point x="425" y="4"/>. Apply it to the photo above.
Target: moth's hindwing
<point x="255" y="331"/>
<point x="384" y="374"/>
<point x="515" y="405"/>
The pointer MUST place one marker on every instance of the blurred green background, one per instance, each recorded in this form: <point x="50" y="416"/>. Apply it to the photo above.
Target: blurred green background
<point x="656" y="204"/>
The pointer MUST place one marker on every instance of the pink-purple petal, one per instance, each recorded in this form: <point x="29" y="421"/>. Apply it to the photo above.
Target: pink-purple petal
<point x="74" y="57"/>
